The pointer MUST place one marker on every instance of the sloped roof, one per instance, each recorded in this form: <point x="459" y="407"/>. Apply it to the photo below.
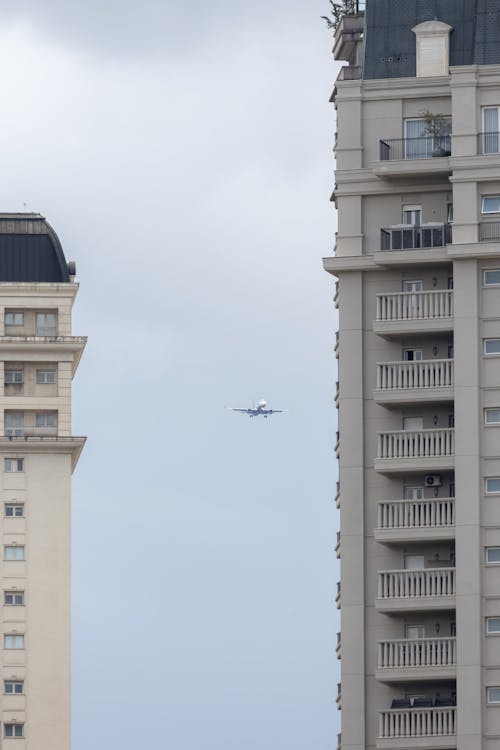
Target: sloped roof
<point x="30" y="250"/>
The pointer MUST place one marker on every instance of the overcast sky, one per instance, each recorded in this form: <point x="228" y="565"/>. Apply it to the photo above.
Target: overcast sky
<point x="182" y="151"/>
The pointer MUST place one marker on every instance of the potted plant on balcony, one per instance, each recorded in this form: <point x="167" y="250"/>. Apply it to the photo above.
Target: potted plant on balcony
<point x="437" y="126"/>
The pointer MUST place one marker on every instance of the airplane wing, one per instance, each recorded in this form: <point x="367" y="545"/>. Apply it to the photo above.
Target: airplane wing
<point x="276" y="411"/>
<point x="244" y="411"/>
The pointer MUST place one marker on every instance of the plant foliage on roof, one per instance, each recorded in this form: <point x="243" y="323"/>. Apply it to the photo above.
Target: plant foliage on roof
<point x="343" y="8"/>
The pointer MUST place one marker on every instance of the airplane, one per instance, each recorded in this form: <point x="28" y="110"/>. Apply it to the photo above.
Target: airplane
<point x="258" y="409"/>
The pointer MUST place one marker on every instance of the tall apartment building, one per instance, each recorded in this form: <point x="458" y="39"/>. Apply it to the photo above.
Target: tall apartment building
<point x="417" y="258"/>
<point x="38" y="358"/>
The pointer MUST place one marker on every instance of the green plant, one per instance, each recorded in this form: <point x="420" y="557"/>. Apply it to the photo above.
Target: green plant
<point x="343" y="8"/>
<point x="436" y="125"/>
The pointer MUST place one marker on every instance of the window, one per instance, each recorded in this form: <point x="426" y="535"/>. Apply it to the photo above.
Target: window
<point x="413" y="493"/>
<point x="13" y="730"/>
<point x="14" y="424"/>
<point x="46" y="419"/>
<point x="13" y="598"/>
<point x="493" y="694"/>
<point x="451" y="351"/>
<point x="413" y="286"/>
<point x="493" y="555"/>
<point x="413" y="632"/>
<point x="453" y="629"/>
<point x="491" y="346"/>
<point x="420" y="143"/>
<point x="491" y="130"/>
<point x="45" y="377"/>
<point x="449" y="217"/>
<point x="493" y="624"/>
<point x="451" y="489"/>
<point x="13" y="376"/>
<point x="13" y="465"/>
<point x="412" y="355"/>
<point x="14" y="318"/>
<point x="433" y="48"/>
<point x="13" y="641"/>
<point x="46" y="324"/>
<point x="14" y="510"/>
<point x="492" y="485"/>
<point x="492" y="416"/>
<point x="13" y="687"/>
<point x="414" y="562"/>
<point x="13" y="552"/>
<point x="492" y="277"/>
<point x="490" y="204"/>
<point x="451" y="420"/>
<point x="413" y="423"/>
<point x="412" y="215"/>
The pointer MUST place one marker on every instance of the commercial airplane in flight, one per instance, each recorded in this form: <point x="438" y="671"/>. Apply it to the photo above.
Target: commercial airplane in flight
<point x="259" y="409"/>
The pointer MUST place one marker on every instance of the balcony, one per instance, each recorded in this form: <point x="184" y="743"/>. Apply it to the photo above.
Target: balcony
<point x="400" y="313"/>
<point x="415" y="450"/>
<point x="421" y="660"/>
<point x="416" y="520"/>
<point x="415" y="237"/>
<point x="430" y="728"/>
<point x="421" y="380"/>
<point x="416" y="156"/>
<point x="30" y="432"/>
<point x="416" y="590"/>
<point x="489" y="231"/>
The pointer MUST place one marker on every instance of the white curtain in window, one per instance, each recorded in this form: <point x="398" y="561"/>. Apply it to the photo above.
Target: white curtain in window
<point x="417" y="142"/>
<point x="490" y="128"/>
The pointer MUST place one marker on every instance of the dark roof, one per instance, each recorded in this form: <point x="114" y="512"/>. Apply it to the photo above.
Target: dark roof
<point x="390" y="42"/>
<point x="30" y="250"/>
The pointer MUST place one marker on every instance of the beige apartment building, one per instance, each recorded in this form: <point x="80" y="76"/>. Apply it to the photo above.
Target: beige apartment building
<point x="417" y="257"/>
<point x="38" y="358"/>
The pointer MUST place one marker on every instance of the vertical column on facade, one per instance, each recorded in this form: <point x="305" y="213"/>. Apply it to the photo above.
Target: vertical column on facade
<point x="352" y="510"/>
<point x="467" y="504"/>
<point x="465" y="108"/>
<point x="349" y="156"/>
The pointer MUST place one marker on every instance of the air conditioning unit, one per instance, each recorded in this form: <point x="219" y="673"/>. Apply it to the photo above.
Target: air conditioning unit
<point x="433" y="480"/>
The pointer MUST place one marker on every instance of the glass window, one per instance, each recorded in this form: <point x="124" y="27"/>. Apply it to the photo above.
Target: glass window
<point x="46" y="324"/>
<point x="492" y="485"/>
<point x="490" y="130"/>
<point x="13" y="687"/>
<point x="13" y="641"/>
<point x="492" y="277"/>
<point x="412" y="355"/>
<point x="14" y="730"/>
<point x="413" y="493"/>
<point x="490" y="204"/>
<point x="493" y="624"/>
<point x="413" y="632"/>
<point x="491" y="346"/>
<point x="14" y="424"/>
<point x="14" y="510"/>
<point x="414" y="562"/>
<point x="492" y="416"/>
<point x="493" y="694"/>
<point x="413" y="423"/>
<point x="13" y="376"/>
<point x="14" y="598"/>
<point x="412" y="215"/>
<point x="451" y="489"/>
<point x="13" y="464"/>
<point x="45" y="377"/>
<point x="14" y="318"/>
<point x="12" y="552"/>
<point x="46" y="420"/>
<point x="493" y="554"/>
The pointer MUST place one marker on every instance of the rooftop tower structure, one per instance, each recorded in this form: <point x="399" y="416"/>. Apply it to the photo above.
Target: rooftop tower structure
<point x="417" y="257"/>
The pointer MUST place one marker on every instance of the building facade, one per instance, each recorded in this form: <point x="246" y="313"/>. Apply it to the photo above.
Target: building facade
<point x="417" y="258"/>
<point x="38" y="358"/>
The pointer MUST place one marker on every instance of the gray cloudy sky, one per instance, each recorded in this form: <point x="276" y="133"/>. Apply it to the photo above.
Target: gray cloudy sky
<point x="182" y="151"/>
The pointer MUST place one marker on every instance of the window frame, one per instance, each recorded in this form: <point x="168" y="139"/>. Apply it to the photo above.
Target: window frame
<point x="14" y="683"/>
<point x="16" y="547"/>
<point x="13" y="593"/>
<point x="491" y="492"/>
<point x="14" y="313"/>
<point x="15" y="461"/>
<point x="15" y="371"/>
<point x="14" y="637"/>
<point x="491" y="409"/>
<point x="490" y="270"/>
<point x="489" y="197"/>
<point x="14" y="505"/>
<point x="15" y="725"/>
<point x="45" y="372"/>
<point x="491" y="354"/>
<point x="488" y="700"/>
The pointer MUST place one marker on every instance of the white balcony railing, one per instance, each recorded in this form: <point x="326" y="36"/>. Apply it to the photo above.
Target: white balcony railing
<point x="424" y="652"/>
<point x="31" y="432"/>
<point x="416" y="514"/>
<point x="435" y="443"/>
<point x="402" y="584"/>
<point x="428" y="722"/>
<point x="435" y="373"/>
<point x="415" y="305"/>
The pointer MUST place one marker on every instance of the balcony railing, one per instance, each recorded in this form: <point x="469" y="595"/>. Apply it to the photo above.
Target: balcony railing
<point x="429" y="722"/>
<point x="403" y="584"/>
<point x="416" y="514"/>
<point x="415" y="237"/>
<point x="415" y="148"/>
<point x="30" y="431"/>
<point x="435" y="443"/>
<point x="415" y="305"/>
<point x="338" y="595"/>
<point x="489" y="231"/>
<point x="432" y="373"/>
<point x="424" y="652"/>
<point x="488" y="143"/>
